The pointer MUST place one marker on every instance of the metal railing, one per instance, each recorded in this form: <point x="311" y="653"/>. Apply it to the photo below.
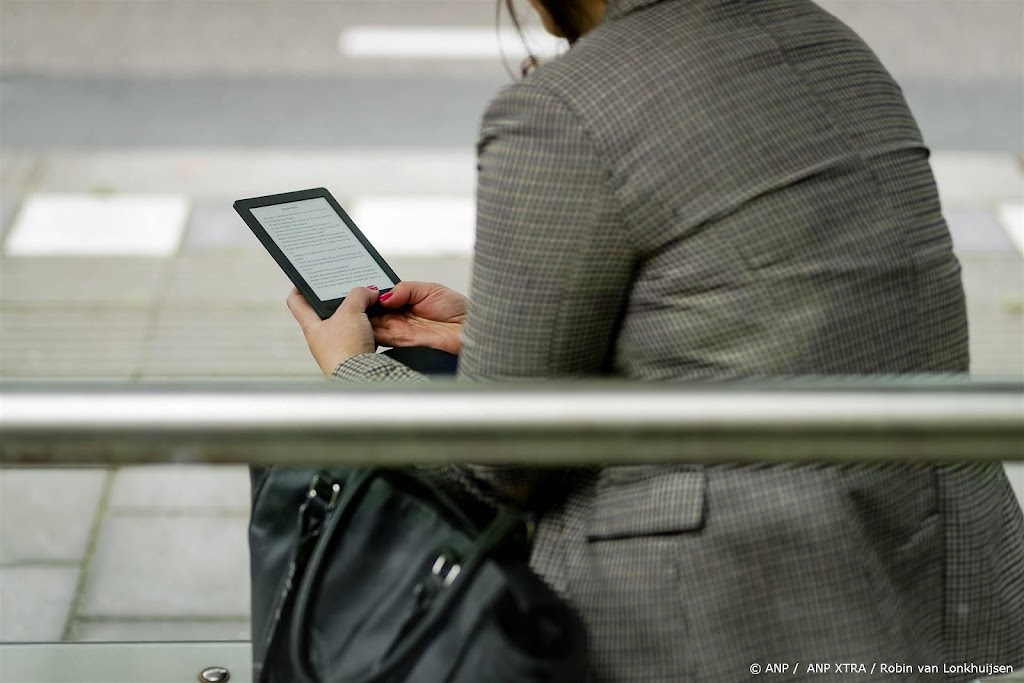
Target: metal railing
<point x="565" y="424"/>
<point x="552" y="424"/>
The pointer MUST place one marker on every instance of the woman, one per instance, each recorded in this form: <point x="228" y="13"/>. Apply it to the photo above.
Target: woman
<point x="708" y="189"/>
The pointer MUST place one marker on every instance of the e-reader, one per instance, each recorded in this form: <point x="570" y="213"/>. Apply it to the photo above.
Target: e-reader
<point x="317" y="245"/>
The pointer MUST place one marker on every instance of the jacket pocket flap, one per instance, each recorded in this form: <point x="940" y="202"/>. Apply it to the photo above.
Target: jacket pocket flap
<point x="665" y="503"/>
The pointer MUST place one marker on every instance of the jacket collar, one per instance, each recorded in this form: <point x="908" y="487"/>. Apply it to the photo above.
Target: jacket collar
<point x="619" y="8"/>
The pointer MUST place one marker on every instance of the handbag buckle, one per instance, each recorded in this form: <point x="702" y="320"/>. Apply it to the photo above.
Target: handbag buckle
<point x="320" y="489"/>
<point x="445" y="569"/>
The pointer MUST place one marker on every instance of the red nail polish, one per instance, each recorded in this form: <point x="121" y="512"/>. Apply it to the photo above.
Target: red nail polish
<point x="373" y="287"/>
<point x="386" y="296"/>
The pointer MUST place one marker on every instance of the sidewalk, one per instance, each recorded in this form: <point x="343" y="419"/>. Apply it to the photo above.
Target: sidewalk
<point x="159" y="553"/>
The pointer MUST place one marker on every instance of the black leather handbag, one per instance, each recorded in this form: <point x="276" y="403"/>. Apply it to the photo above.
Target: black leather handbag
<point x="378" y="576"/>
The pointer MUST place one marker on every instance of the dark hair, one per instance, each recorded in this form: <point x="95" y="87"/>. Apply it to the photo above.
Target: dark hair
<point x="563" y="12"/>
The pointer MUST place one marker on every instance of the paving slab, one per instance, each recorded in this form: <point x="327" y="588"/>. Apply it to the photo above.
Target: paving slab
<point x="993" y="352"/>
<point x="1012" y="218"/>
<point x="35" y="602"/>
<point x="228" y="281"/>
<point x="81" y="343"/>
<point x="19" y="171"/>
<point x="98" y="224"/>
<point x="193" y="342"/>
<point x="115" y="171"/>
<point x="994" y="286"/>
<point x="417" y="225"/>
<point x="169" y="566"/>
<point x="218" y="227"/>
<point x="69" y="281"/>
<point x="9" y="206"/>
<point x="451" y="271"/>
<point x="1015" y="473"/>
<point x="47" y="514"/>
<point x="977" y="179"/>
<point x="167" y="631"/>
<point x="953" y="39"/>
<point x="217" y="177"/>
<point x="253" y="278"/>
<point x="976" y="230"/>
<point x="186" y="489"/>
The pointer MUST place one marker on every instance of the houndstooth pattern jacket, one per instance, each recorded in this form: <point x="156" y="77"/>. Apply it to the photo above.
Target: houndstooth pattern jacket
<point x="708" y="189"/>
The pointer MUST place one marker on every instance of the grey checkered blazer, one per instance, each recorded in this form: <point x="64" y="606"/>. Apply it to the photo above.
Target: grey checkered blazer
<point x="707" y="189"/>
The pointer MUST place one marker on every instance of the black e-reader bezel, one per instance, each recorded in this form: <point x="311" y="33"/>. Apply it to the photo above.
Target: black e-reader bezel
<point x="323" y="308"/>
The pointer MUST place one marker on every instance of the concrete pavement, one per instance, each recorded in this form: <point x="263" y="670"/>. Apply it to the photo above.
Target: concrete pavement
<point x="204" y="103"/>
<point x="159" y="553"/>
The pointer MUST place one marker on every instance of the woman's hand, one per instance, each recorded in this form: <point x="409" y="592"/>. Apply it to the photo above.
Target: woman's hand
<point x="425" y="314"/>
<point x="345" y="334"/>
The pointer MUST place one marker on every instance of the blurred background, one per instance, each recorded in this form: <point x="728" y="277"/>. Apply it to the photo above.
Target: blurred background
<point x="127" y="129"/>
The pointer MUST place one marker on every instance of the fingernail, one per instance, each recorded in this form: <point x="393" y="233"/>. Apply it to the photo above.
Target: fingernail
<point x="373" y="287"/>
<point x="386" y="296"/>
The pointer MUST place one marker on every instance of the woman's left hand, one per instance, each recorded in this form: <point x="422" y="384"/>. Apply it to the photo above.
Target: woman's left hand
<point x="345" y="334"/>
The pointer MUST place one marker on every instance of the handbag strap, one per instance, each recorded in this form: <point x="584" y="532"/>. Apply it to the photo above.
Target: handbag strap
<point x="499" y="528"/>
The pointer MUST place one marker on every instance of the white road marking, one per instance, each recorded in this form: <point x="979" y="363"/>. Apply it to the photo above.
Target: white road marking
<point x="1012" y="218"/>
<point x="417" y="225"/>
<point x="405" y="42"/>
<point x="98" y="225"/>
<point x="977" y="179"/>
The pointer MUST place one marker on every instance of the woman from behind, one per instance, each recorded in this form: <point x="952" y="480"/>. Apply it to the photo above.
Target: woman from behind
<point x="706" y="190"/>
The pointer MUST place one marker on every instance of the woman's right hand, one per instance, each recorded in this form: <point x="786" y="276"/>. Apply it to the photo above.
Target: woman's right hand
<point x="421" y="314"/>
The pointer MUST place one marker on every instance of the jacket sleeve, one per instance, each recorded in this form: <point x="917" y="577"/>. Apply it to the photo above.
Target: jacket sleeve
<point x="375" y="367"/>
<point x="552" y="265"/>
<point x="552" y="270"/>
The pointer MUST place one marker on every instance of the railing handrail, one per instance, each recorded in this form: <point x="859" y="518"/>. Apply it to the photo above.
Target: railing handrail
<point x="554" y="423"/>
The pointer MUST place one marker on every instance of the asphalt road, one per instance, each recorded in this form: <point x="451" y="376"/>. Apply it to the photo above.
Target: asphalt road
<point x="381" y="112"/>
<point x="240" y="73"/>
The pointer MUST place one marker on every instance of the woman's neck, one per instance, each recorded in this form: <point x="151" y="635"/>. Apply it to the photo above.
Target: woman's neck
<point x="591" y="14"/>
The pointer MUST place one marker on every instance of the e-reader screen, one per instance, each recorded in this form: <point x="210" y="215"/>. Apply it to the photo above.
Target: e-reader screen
<point x="321" y="247"/>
